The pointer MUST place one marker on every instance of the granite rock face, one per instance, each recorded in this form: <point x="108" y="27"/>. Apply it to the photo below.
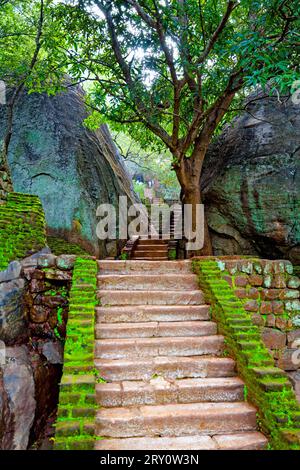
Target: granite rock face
<point x="19" y="391"/>
<point x="13" y="325"/>
<point x="251" y="182"/>
<point x="72" y="169"/>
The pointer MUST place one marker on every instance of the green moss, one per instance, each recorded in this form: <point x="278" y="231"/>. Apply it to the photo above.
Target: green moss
<point x="22" y="228"/>
<point x="77" y="405"/>
<point x="172" y="254"/>
<point x="59" y="246"/>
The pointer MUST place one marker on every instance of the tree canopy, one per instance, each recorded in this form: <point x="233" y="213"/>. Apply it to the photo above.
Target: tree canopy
<point x="165" y="65"/>
<point x="169" y="73"/>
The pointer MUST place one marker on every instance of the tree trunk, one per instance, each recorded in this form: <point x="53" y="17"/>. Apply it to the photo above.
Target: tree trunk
<point x="192" y="196"/>
<point x="6" y="185"/>
<point x="188" y="175"/>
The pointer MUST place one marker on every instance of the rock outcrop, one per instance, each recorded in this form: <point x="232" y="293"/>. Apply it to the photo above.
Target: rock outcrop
<point x="251" y="182"/>
<point x="53" y="155"/>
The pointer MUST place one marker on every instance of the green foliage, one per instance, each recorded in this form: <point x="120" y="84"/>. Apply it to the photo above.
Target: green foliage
<point x="259" y="42"/>
<point x="172" y="254"/>
<point x="19" y="28"/>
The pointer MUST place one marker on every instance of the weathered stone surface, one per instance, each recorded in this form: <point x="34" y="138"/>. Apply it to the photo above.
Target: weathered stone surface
<point x="72" y="169"/>
<point x="241" y="281"/>
<point x="251" y="306"/>
<point x="12" y="272"/>
<point x="6" y="418"/>
<point x="39" y="313"/>
<point x="12" y="318"/>
<point x="295" y="379"/>
<point x="31" y="261"/>
<point x="253" y="293"/>
<point x="255" y="280"/>
<point x="271" y="321"/>
<point x="46" y="381"/>
<point x="37" y="285"/>
<point x="281" y="323"/>
<point x="58" y="275"/>
<point x="278" y="307"/>
<point x="53" y="352"/>
<point x="258" y="320"/>
<point x="65" y="261"/>
<point x="289" y="359"/>
<point x="251" y="181"/>
<point x="19" y="385"/>
<point x="274" y="339"/>
<point x="266" y="307"/>
<point x="46" y="261"/>
<point x="294" y="282"/>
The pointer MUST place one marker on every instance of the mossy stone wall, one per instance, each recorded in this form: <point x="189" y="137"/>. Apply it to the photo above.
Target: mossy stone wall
<point x="267" y="386"/>
<point x="77" y="404"/>
<point x="22" y="228"/>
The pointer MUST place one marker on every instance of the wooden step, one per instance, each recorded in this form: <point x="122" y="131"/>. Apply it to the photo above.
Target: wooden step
<point x="146" y="347"/>
<point x="162" y="391"/>
<point x="147" y="281"/>
<point x="237" y="441"/>
<point x="158" y="297"/>
<point x="176" y="420"/>
<point x="130" y="266"/>
<point x="173" y="367"/>
<point x="155" y="329"/>
<point x="145" y="313"/>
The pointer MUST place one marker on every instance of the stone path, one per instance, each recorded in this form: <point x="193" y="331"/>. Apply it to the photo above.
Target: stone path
<point x="168" y="385"/>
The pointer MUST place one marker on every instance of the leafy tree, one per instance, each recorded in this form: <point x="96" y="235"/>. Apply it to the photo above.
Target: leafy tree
<point x="171" y="71"/>
<point x="31" y="58"/>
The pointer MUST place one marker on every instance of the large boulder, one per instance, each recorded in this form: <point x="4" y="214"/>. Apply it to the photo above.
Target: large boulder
<point x="72" y="169"/>
<point x="251" y="182"/>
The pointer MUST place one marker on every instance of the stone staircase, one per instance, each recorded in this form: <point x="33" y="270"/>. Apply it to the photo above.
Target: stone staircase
<point x="148" y="250"/>
<point x="168" y="385"/>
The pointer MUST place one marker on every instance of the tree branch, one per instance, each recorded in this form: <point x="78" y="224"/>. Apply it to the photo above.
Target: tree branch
<point x="230" y="7"/>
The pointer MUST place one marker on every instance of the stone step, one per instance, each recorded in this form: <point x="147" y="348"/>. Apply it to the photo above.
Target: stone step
<point x="151" y="247"/>
<point x="150" y="258"/>
<point x="152" y="241"/>
<point x="162" y="391"/>
<point x="130" y="266"/>
<point x="145" y="297"/>
<point x="145" y="313"/>
<point x="176" y="420"/>
<point x="148" y="253"/>
<point x="237" y="441"/>
<point x="147" y="281"/>
<point x="155" y="329"/>
<point x="146" y="347"/>
<point x="174" y="367"/>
